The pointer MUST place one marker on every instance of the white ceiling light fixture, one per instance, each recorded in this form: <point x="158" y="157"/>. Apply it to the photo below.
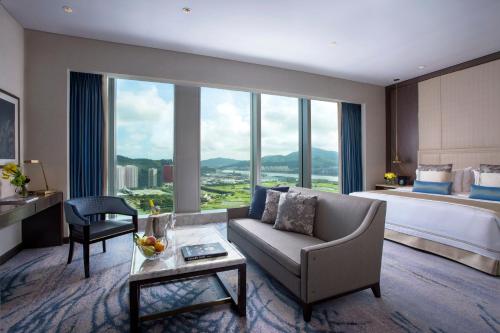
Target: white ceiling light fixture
<point x="186" y="10"/>
<point x="67" y="9"/>
<point x="421" y="67"/>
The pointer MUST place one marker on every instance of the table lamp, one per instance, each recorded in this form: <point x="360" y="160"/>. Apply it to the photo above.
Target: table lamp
<point x="46" y="190"/>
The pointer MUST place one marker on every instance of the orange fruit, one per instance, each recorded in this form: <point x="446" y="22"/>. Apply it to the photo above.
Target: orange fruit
<point x="159" y="247"/>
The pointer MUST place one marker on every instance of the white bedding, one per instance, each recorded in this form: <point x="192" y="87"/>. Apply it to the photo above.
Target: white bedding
<point x="465" y="227"/>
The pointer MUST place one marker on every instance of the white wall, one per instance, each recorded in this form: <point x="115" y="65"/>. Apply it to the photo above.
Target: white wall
<point x="12" y="81"/>
<point x="50" y="56"/>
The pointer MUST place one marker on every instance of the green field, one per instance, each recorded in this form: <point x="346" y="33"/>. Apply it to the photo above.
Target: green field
<point x="214" y="196"/>
<point x="238" y="195"/>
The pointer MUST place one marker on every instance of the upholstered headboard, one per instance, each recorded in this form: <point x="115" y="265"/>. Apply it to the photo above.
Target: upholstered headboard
<point x="460" y="158"/>
<point x="459" y="117"/>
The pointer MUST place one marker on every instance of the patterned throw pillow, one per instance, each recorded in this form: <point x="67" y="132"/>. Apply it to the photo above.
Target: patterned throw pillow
<point x="296" y="213"/>
<point x="271" y="208"/>
<point x="259" y="200"/>
<point x="434" y="172"/>
<point x="489" y="175"/>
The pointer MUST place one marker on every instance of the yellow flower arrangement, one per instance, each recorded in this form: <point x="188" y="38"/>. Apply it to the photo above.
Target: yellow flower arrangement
<point x="390" y="176"/>
<point x="13" y="173"/>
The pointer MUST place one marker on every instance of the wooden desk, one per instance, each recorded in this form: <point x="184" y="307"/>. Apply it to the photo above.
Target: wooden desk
<point x="42" y="222"/>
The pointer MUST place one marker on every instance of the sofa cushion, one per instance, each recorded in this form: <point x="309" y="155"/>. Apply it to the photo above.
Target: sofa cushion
<point x="259" y="200"/>
<point x="104" y="228"/>
<point x="283" y="246"/>
<point x="296" y="213"/>
<point x="271" y="210"/>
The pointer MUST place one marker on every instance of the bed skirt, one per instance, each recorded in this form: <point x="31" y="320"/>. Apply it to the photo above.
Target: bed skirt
<point x="471" y="259"/>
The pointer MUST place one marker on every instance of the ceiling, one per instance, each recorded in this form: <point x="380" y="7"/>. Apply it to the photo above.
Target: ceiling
<point x="376" y="41"/>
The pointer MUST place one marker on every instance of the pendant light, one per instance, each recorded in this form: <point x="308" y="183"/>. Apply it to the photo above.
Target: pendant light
<point x="396" y="158"/>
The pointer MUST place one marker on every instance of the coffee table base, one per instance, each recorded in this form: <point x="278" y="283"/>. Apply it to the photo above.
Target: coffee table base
<point x="237" y="301"/>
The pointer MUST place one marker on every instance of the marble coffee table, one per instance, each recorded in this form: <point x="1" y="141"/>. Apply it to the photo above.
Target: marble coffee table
<point x="172" y="266"/>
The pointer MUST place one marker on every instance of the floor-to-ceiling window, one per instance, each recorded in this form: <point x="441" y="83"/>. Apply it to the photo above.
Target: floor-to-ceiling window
<point x="279" y="140"/>
<point x="142" y="161"/>
<point x="225" y="148"/>
<point x="324" y="146"/>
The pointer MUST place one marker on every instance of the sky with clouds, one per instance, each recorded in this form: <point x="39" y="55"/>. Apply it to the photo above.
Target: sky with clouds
<point x="144" y="122"/>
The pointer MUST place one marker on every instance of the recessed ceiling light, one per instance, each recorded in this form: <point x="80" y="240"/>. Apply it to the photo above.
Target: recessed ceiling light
<point x="67" y="9"/>
<point x="421" y="67"/>
<point x="186" y="10"/>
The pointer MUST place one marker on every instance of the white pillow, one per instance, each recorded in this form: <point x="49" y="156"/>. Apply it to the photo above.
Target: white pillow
<point x="434" y="176"/>
<point x="434" y="172"/>
<point x="457" y="176"/>
<point x="489" y="179"/>
<point x="489" y="175"/>
<point x="468" y="179"/>
<point x="476" y="176"/>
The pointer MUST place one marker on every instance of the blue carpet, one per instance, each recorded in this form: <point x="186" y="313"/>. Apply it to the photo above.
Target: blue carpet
<point x="420" y="293"/>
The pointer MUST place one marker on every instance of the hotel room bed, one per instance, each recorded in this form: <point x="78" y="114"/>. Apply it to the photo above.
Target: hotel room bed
<point x="462" y="229"/>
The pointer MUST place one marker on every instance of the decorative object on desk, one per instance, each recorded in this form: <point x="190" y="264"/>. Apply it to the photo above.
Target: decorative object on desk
<point x="390" y="178"/>
<point x="9" y="128"/>
<point x="155" y="210"/>
<point x="403" y="180"/>
<point x="150" y="246"/>
<point x="157" y="225"/>
<point x="46" y="190"/>
<point x="203" y="251"/>
<point x="13" y="173"/>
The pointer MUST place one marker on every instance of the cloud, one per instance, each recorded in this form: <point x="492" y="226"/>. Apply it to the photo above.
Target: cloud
<point x="225" y="131"/>
<point x="144" y="120"/>
<point x="279" y="125"/>
<point x="324" y="125"/>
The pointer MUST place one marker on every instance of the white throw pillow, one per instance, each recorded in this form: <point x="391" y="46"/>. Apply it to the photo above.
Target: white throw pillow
<point x="489" y="179"/>
<point x="489" y="175"/>
<point x="434" y="176"/>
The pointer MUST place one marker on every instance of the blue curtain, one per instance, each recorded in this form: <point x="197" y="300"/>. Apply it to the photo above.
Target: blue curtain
<point x="86" y="135"/>
<point x="352" y="164"/>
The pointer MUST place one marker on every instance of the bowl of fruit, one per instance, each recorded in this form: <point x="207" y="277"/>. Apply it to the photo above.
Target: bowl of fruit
<point x="150" y="246"/>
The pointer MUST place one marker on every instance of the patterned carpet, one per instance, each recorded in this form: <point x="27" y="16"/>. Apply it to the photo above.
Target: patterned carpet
<point x="420" y="293"/>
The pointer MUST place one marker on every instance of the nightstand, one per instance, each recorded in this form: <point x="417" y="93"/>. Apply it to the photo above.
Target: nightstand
<point x="388" y="186"/>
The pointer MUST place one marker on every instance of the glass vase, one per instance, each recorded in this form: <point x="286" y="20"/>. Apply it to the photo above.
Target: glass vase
<point x="22" y="191"/>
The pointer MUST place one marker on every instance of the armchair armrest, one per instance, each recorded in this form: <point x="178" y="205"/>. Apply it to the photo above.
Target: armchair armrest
<point x="73" y="216"/>
<point x="345" y="264"/>
<point x="237" y="213"/>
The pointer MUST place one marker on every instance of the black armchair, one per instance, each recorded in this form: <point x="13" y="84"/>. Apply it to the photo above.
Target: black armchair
<point x="87" y="222"/>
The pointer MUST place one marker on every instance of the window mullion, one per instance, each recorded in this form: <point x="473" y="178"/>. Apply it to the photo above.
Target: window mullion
<point x="305" y="142"/>
<point x="255" y="140"/>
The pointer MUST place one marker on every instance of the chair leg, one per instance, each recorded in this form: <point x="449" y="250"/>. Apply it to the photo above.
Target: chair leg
<point x="376" y="289"/>
<point x="71" y="248"/>
<point x="307" y="311"/>
<point x="86" y="258"/>
<point x="104" y="246"/>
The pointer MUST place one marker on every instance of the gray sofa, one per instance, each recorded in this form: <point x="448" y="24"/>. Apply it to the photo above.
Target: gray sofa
<point x="344" y="255"/>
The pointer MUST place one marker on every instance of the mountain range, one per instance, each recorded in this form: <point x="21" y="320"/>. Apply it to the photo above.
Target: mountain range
<point x="324" y="162"/>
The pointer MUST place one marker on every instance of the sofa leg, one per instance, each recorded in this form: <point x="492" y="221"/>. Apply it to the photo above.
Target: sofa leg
<point x="307" y="311"/>
<point x="376" y="289"/>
